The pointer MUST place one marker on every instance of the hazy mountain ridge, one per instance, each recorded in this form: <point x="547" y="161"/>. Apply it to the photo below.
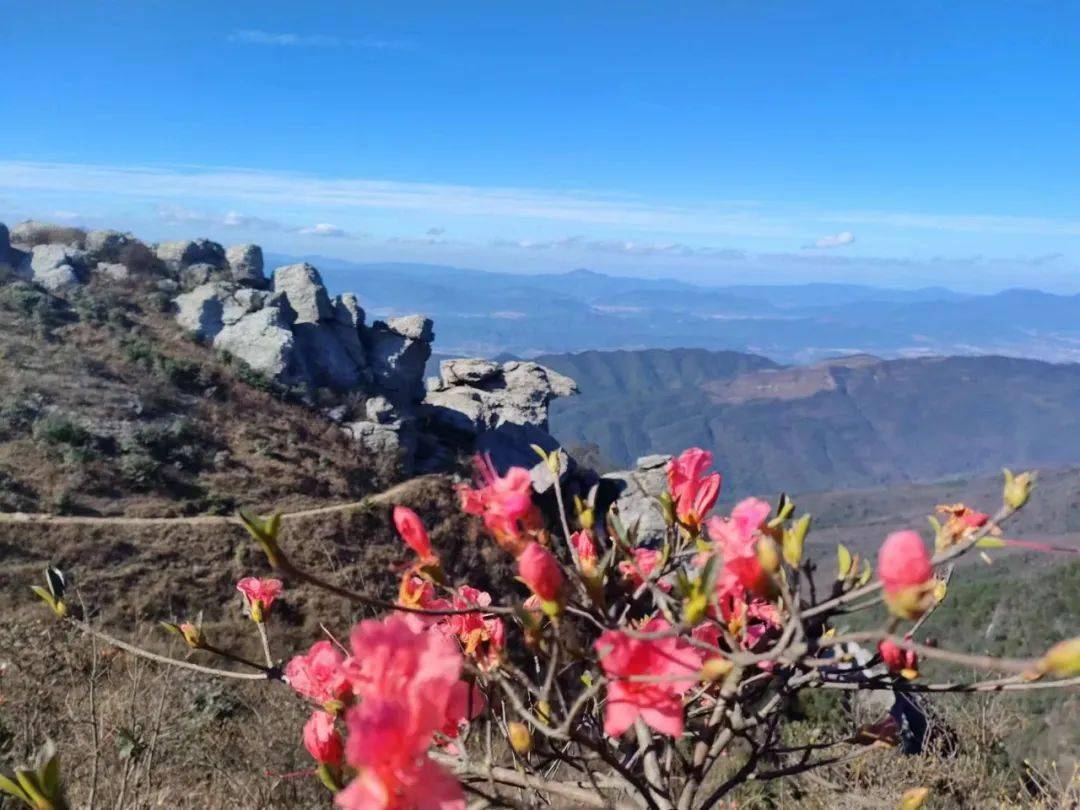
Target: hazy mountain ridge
<point x="853" y="424"/>
<point x="487" y="313"/>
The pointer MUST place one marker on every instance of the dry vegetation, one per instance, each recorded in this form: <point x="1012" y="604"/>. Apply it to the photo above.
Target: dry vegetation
<point x="105" y="409"/>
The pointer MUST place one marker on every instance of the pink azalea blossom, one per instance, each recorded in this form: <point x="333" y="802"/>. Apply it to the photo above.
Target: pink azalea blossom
<point x="671" y="662"/>
<point x="898" y="659"/>
<point x="387" y="744"/>
<point x="903" y="562"/>
<point x="415" y="592"/>
<point x="906" y="574"/>
<point x="505" y="503"/>
<point x="642" y="567"/>
<point x="692" y="489"/>
<point x="466" y="703"/>
<point x="412" y="531"/>
<point x="735" y="538"/>
<point x="482" y="635"/>
<point x="585" y="549"/>
<point x="259" y="594"/>
<point x="322" y="740"/>
<point x="319" y="674"/>
<point x="538" y="568"/>
<point x="406" y="682"/>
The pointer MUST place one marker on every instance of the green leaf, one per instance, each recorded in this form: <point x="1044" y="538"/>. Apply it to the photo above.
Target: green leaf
<point x="10" y="787"/>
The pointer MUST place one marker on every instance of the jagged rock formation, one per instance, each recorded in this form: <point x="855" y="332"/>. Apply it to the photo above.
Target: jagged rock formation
<point x="499" y="409"/>
<point x="635" y="492"/>
<point x="290" y="330"/>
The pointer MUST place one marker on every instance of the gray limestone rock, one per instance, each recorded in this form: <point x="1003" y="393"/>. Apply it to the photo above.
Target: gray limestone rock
<point x="107" y="246"/>
<point x="637" y="489"/>
<point x="246" y="265"/>
<point x="303" y="286"/>
<point x="178" y="255"/>
<point x="397" y="352"/>
<point x="54" y="267"/>
<point x="262" y="339"/>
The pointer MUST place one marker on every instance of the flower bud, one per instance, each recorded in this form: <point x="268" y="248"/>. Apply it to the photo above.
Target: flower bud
<point x="768" y="554"/>
<point x="1017" y="488"/>
<point x="543" y="711"/>
<point x="193" y="636"/>
<point x="667" y="508"/>
<point x="716" y="669"/>
<point x="520" y="738"/>
<point x="538" y="568"/>
<point x="1062" y="660"/>
<point x="794" y="539"/>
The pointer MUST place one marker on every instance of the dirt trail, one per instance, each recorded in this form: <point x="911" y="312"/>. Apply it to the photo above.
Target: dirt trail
<point x="398" y="492"/>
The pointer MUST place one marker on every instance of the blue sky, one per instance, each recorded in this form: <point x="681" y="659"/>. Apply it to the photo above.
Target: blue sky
<point x="890" y="143"/>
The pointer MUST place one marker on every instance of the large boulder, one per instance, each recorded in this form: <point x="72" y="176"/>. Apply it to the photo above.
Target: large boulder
<point x="303" y="287"/>
<point x="54" y="267"/>
<point x="635" y="492"/>
<point x="479" y="395"/>
<point x="34" y="232"/>
<point x="246" y="265"/>
<point x="262" y="339"/>
<point x="398" y="351"/>
<point x="107" y="246"/>
<point x="210" y="307"/>
<point x="178" y="255"/>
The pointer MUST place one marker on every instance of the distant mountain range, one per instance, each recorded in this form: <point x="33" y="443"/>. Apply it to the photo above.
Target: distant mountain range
<point x="854" y="423"/>
<point x="484" y="314"/>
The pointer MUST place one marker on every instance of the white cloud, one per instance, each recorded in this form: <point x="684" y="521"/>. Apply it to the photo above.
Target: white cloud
<point x="255" y="36"/>
<point x="324" y="229"/>
<point x="834" y="240"/>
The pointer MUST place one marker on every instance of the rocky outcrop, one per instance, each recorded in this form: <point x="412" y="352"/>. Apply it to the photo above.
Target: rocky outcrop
<point x="634" y="493"/>
<point x="54" y="267"/>
<point x="262" y="339"/>
<point x="107" y="246"/>
<point x="398" y="350"/>
<point x="499" y="409"/>
<point x="302" y="285"/>
<point x="288" y="328"/>
<point x="178" y="255"/>
<point x="246" y="265"/>
<point x="480" y="395"/>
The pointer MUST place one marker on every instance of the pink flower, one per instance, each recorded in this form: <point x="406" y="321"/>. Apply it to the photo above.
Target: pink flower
<point x="483" y="636"/>
<point x="735" y="538"/>
<point x="415" y="592"/>
<point x="505" y="503"/>
<point x="903" y="561"/>
<point x="899" y="660"/>
<point x="693" y="491"/>
<point x="406" y="681"/>
<point x="322" y="739"/>
<point x="586" y="551"/>
<point x="905" y="572"/>
<point x="319" y="674"/>
<point x="671" y="663"/>
<point x="466" y="703"/>
<point x="412" y="531"/>
<point x="538" y="568"/>
<point x="387" y="744"/>
<point x="390" y="658"/>
<point x="642" y="567"/>
<point x="259" y="594"/>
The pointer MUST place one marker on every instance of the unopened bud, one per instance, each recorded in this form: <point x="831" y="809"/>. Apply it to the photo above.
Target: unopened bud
<point x="667" y="508"/>
<point x="543" y="710"/>
<point x="1062" y="660"/>
<point x="193" y="636"/>
<point x="715" y="669"/>
<point x="794" y="539"/>
<point x="1017" y="488"/>
<point x="768" y="554"/>
<point x="520" y="738"/>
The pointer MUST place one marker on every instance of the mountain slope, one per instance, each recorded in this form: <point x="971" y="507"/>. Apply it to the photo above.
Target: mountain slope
<point x="856" y="423"/>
